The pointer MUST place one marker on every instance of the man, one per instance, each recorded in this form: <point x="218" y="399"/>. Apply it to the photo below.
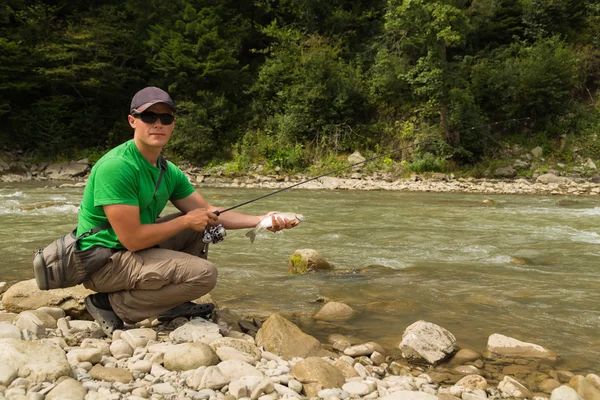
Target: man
<point x="156" y="268"/>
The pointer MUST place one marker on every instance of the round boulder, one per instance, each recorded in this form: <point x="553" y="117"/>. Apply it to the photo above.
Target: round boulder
<point x="307" y="260"/>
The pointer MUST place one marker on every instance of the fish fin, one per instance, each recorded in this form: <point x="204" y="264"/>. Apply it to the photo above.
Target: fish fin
<point x="252" y="235"/>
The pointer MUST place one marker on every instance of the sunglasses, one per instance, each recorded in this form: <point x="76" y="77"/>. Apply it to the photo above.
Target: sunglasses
<point x="149" y="117"/>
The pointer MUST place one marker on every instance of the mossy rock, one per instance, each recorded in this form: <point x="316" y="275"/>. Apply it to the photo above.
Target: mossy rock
<point x="307" y="260"/>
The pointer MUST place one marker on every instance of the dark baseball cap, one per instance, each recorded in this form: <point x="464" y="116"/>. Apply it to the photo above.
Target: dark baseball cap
<point x="148" y="96"/>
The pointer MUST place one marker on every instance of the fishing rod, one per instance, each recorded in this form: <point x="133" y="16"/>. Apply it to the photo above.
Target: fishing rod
<point x="219" y="212"/>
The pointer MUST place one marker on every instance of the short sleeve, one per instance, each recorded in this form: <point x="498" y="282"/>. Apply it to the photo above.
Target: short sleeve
<point x="182" y="187"/>
<point x="116" y="183"/>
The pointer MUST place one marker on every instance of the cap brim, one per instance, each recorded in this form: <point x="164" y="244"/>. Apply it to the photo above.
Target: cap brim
<point x="147" y="105"/>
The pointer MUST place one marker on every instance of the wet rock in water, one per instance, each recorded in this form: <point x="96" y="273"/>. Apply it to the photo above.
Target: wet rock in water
<point x="464" y="356"/>
<point x="504" y="346"/>
<point x="282" y="337"/>
<point x="307" y="260"/>
<point x="376" y="270"/>
<point x="335" y="311"/>
<point x="316" y="374"/>
<point x="338" y="342"/>
<point x="428" y="342"/>
<point x="488" y="202"/>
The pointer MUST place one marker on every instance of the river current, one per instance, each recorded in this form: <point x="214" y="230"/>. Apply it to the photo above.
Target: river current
<point x="520" y="265"/>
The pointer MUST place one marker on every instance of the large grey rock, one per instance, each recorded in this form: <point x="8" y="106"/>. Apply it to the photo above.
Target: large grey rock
<point x="35" y="361"/>
<point x="187" y="356"/>
<point x="25" y="295"/>
<point x="505" y="172"/>
<point x="335" y="311"/>
<point x="67" y="170"/>
<point x="551" y="178"/>
<point x="316" y="374"/>
<point x="428" y="342"/>
<point x="282" y="337"/>
<point x="307" y="260"/>
<point x="504" y="346"/>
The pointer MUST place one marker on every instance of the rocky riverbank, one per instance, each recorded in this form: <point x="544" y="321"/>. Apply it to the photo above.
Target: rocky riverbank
<point x="49" y="349"/>
<point x="553" y="182"/>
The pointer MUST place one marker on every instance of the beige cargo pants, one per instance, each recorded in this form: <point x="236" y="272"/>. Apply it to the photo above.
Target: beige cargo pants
<point x="146" y="283"/>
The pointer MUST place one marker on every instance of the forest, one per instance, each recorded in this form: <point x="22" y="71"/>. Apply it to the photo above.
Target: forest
<point x="294" y="83"/>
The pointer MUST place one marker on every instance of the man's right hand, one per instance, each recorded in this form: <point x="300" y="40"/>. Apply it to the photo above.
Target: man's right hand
<point x="199" y="218"/>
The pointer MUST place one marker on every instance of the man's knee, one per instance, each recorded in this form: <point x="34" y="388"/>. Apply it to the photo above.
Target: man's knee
<point x="207" y="275"/>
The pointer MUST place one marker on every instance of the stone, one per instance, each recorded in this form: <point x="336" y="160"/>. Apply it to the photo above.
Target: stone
<point x="505" y="172"/>
<point x="138" y="337"/>
<point x="197" y="330"/>
<point x="235" y="369"/>
<point x="68" y="389"/>
<point x="473" y="382"/>
<point x="464" y="356"/>
<point x="548" y="385"/>
<point x="35" y="361"/>
<point x="7" y="374"/>
<point x="513" y="388"/>
<point x="537" y="152"/>
<point x="505" y="346"/>
<point x="110" y="374"/>
<point x="565" y="393"/>
<point x="120" y="347"/>
<point x="589" y="387"/>
<point x="9" y="331"/>
<point x="409" y="395"/>
<point x="307" y="260"/>
<point x="25" y="296"/>
<point x="347" y="370"/>
<point x="335" y="311"/>
<point x="427" y="341"/>
<point x="240" y="345"/>
<point x="187" y="356"/>
<point x="282" y="337"/>
<point x="316" y="374"/>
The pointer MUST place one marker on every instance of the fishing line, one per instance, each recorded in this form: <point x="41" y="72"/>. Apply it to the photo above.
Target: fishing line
<point x="219" y="212"/>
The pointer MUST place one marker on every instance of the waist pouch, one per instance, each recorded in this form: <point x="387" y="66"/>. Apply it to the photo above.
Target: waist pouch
<point x="61" y="264"/>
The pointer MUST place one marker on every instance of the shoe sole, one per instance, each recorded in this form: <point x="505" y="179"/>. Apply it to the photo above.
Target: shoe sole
<point x="108" y="320"/>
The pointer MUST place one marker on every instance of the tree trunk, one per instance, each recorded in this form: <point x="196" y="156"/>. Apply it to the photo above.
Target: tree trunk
<point x="453" y="138"/>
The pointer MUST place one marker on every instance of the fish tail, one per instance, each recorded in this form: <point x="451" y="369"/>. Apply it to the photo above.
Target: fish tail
<point x="252" y="235"/>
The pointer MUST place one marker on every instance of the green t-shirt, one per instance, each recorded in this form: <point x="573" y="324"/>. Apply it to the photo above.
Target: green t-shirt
<point x="124" y="176"/>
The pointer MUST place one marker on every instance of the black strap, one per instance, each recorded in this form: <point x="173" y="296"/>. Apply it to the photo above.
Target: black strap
<point x="163" y="168"/>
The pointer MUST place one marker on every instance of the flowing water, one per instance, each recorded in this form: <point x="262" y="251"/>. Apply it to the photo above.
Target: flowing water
<point x="524" y="266"/>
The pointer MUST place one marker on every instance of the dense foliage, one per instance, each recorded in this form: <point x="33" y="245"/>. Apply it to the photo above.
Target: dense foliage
<point x="295" y="82"/>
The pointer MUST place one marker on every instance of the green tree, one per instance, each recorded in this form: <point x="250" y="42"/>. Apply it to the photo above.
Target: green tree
<point x="426" y="32"/>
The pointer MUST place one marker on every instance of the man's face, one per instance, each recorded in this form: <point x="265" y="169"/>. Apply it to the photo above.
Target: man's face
<point x="154" y="134"/>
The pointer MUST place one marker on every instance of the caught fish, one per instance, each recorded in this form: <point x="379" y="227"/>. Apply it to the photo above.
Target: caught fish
<point x="266" y="223"/>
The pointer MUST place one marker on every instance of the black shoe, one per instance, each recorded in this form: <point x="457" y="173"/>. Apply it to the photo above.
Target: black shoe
<point x="108" y="320"/>
<point x="187" y="310"/>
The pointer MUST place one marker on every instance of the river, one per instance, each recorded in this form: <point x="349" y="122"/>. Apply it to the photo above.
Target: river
<point x="523" y="266"/>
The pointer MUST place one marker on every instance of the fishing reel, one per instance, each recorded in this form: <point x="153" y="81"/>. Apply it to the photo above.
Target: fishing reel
<point x="214" y="234"/>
